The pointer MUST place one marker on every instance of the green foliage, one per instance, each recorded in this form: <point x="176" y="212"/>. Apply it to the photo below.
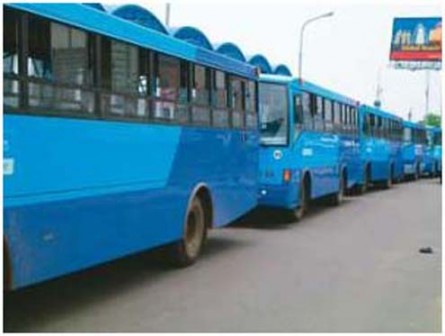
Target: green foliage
<point x="432" y="119"/>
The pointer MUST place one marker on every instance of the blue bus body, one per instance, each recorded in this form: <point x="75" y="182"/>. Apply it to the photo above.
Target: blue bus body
<point x="80" y="190"/>
<point x="297" y="142"/>
<point x="437" y="149"/>
<point x="380" y="146"/>
<point x="432" y="157"/>
<point x="414" y="149"/>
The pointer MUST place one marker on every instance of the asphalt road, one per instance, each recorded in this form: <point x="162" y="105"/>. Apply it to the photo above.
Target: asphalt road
<point x="351" y="268"/>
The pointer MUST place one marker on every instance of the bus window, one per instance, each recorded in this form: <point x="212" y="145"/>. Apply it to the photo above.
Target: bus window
<point x="345" y="119"/>
<point x="337" y="116"/>
<point x="407" y="134"/>
<point x="251" y="115"/>
<point x="39" y="48"/>
<point x="372" y="125"/>
<point x="123" y="74"/>
<point x="167" y="86"/>
<point x="219" y="97"/>
<point x="355" y="120"/>
<point x="58" y="56"/>
<point x="237" y="101"/>
<point x="318" y="113"/>
<point x="379" y="126"/>
<point x="328" y="115"/>
<point x="10" y="58"/>
<point x="273" y="114"/>
<point x="382" y="127"/>
<point x="200" y="95"/>
<point x="306" y="101"/>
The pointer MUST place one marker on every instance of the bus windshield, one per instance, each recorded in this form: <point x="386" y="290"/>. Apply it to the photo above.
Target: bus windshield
<point x="273" y="114"/>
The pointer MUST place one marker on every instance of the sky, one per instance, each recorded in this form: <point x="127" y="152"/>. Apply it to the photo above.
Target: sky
<point x="347" y="53"/>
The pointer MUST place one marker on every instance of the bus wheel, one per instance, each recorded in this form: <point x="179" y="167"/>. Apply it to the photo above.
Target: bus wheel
<point x="416" y="172"/>
<point x="387" y="184"/>
<point x="185" y="251"/>
<point x="363" y="188"/>
<point x="337" y="198"/>
<point x="299" y="212"/>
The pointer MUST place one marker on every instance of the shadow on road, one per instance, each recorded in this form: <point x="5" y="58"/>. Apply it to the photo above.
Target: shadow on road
<point x="31" y="308"/>
<point x="278" y="219"/>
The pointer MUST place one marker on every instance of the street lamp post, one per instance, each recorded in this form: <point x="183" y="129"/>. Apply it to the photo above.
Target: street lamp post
<point x="300" y="59"/>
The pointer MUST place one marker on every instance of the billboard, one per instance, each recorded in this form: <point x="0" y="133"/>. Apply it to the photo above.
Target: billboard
<point x="417" y="39"/>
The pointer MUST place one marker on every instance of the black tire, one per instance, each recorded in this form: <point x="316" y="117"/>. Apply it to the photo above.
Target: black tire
<point x="437" y="171"/>
<point x="416" y="174"/>
<point x="337" y="198"/>
<point x="187" y="250"/>
<point x="433" y="170"/>
<point x="299" y="212"/>
<point x="363" y="188"/>
<point x="387" y="184"/>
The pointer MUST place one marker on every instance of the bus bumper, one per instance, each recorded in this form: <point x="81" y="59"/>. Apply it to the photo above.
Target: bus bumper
<point x="280" y="196"/>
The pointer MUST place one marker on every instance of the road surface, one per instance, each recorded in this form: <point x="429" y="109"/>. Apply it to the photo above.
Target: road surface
<point x="355" y="267"/>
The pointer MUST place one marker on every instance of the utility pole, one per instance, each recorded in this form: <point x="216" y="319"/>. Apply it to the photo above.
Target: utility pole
<point x="300" y="54"/>
<point x="167" y="15"/>
<point x="379" y="90"/>
<point x="427" y="93"/>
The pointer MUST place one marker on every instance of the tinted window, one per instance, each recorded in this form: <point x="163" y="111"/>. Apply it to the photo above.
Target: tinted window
<point x="237" y="101"/>
<point x="200" y="90"/>
<point x="219" y="99"/>
<point x="58" y="54"/>
<point x="201" y="95"/>
<point x="307" y="102"/>
<point x="10" y="41"/>
<point x="39" y="48"/>
<point x="337" y="116"/>
<point x="167" y="85"/>
<point x="318" y="113"/>
<point x="251" y="117"/>
<point x="220" y="89"/>
<point x="69" y="55"/>
<point x="328" y="110"/>
<point x="10" y="57"/>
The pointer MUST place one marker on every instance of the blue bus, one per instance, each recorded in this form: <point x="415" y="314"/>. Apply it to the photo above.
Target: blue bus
<point x="380" y="147"/>
<point x="437" y="150"/>
<point x="433" y="155"/>
<point x="414" y="147"/>
<point x="309" y="144"/>
<point x="117" y="139"/>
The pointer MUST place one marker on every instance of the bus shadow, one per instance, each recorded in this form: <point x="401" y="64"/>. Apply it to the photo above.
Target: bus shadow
<point x="264" y="218"/>
<point x="33" y="308"/>
<point x="276" y="219"/>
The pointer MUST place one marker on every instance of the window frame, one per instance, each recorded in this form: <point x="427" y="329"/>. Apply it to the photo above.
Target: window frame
<point x="94" y="87"/>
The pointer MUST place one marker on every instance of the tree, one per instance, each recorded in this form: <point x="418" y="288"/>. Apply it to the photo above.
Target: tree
<point x="432" y="119"/>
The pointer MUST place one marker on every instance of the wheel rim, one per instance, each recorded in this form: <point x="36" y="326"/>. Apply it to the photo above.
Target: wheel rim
<point x="194" y="232"/>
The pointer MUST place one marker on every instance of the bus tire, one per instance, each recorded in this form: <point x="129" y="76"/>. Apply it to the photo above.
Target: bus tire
<point x="299" y="212"/>
<point x="416" y="174"/>
<point x="187" y="250"/>
<point x="363" y="188"/>
<point x="337" y="198"/>
<point x="387" y="184"/>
